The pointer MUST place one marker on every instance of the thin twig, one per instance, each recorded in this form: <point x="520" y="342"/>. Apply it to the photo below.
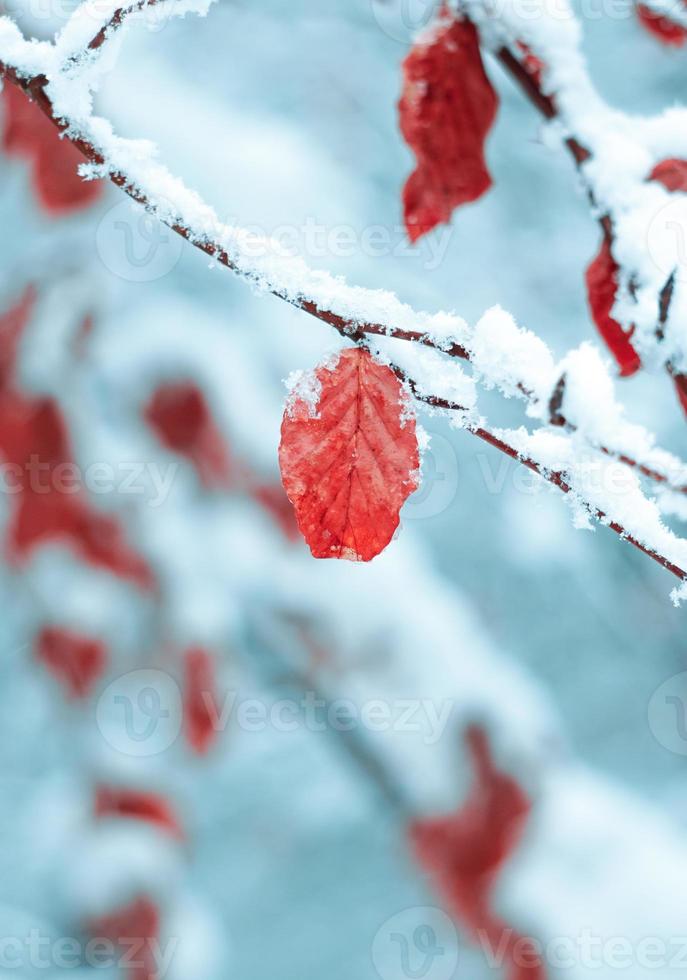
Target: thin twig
<point x="116" y="21"/>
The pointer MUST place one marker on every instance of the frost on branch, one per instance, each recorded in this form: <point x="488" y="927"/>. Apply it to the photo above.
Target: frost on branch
<point x="349" y="456"/>
<point x="446" y="111"/>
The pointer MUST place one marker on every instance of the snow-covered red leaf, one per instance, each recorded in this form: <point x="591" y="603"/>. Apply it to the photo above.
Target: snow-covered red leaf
<point x="447" y="108"/>
<point x="602" y="287"/>
<point x="663" y="28"/>
<point x="29" y="134"/>
<point x="349" y="456"/>
<point x="672" y="173"/>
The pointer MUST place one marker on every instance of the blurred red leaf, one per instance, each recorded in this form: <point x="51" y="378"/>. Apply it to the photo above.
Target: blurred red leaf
<point x="12" y="326"/>
<point x="179" y="415"/>
<point x="447" y="108"/>
<point x="466" y="851"/>
<point x="671" y="173"/>
<point x="113" y="801"/>
<point x="272" y="499"/>
<point x="135" y="927"/>
<point x="666" y="30"/>
<point x="200" y="699"/>
<point x="33" y="436"/>
<point x="77" y="661"/>
<point x="349" y="466"/>
<point x="47" y="501"/>
<point x="29" y="134"/>
<point x="602" y="286"/>
<point x="681" y="389"/>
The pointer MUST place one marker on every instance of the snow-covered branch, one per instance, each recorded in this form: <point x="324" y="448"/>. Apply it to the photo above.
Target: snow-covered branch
<point x="632" y="167"/>
<point x="580" y="426"/>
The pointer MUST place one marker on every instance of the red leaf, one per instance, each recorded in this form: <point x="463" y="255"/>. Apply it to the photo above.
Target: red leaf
<point x="348" y="467"/>
<point x="135" y="927"/>
<point x="137" y="805"/>
<point x="602" y="286"/>
<point x="661" y="27"/>
<point x="29" y="134"/>
<point x="272" y="498"/>
<point x="179" y="415"/>
<point x="446" y="111"/>
<point x="34" y="441"/>
<point x="56" y="179"/>
<point x="200" y="700"/>
<point x="45" y="502"/>
<point x="77" y="661"/>
<point x="466" y="851"/>
<point x="34" y="436"/>
<point x="671" y="173"/>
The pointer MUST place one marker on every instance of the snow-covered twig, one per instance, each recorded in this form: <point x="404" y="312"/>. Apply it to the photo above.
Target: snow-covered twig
<point x="513" y="360"/>
<point x="616" y="155"/>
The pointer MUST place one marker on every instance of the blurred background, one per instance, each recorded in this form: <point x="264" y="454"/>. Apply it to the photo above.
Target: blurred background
<point x="244" y="760"/>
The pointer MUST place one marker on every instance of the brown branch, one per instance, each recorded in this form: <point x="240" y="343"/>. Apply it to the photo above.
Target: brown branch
<point x="35" y="88"/>
<point x="558" y="480"/>
<point x="116" y="21"/>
